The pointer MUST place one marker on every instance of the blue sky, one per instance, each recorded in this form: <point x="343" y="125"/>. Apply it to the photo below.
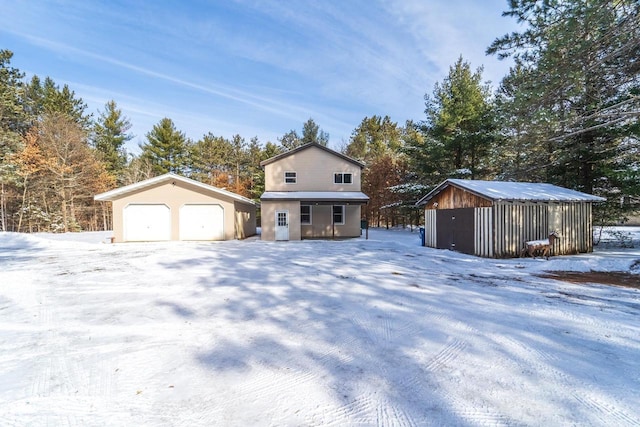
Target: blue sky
<point x="253" y="67"/>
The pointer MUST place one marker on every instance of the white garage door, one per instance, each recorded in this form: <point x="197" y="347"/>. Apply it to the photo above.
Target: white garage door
<point x="201" y="222"/>
<point x="147" y="223"/>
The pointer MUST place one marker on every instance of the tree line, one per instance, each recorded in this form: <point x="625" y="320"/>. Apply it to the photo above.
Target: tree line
<point x="566" y="113"/>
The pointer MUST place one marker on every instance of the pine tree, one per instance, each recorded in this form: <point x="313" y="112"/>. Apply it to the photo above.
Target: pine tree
<point x="13" y="122"/>
<point x="109" y="136"/>
<point x="166" y="148"/>
<point x="459" y="125"/>
<point x="581" y="76"/>
<point x="311" y="133"/>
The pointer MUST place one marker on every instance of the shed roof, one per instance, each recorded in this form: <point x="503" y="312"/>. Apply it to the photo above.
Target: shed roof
<point x="508" y="191"/>
<point x="309" y="145"/>
<point x="316" y="196"/>
<point x="123" y="191"/>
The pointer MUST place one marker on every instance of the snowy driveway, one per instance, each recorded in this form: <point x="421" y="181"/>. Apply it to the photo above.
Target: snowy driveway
<point x="357" y="332"/>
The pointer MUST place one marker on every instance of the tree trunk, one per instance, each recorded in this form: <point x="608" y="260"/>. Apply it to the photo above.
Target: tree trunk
<point x="24" y="198"/>
<point x="3" y="208"/>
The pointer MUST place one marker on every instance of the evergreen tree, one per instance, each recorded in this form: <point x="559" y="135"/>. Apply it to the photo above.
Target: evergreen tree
<point x="47" y="97"/>
<point x="209" y="161"/>
<point x="110" y="135"/>
<point x="166" y="148"/>
<point x="311" y="132"/>
<point x="373" y="138"/>
<point x="459" y="125"/>
<point x="12" y="124"/>
<point x="582" y="74"/>
<point x="290" y="140"/>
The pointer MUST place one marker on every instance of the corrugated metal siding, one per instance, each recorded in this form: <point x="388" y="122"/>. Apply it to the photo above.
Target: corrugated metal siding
<point x="430" y="228"/>
<point x="483" y="232"/>
<point x="500" y="231"/>
<point x="518" y="222"/>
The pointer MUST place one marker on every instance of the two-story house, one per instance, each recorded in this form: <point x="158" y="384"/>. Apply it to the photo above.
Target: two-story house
<point x="311" y="192"/>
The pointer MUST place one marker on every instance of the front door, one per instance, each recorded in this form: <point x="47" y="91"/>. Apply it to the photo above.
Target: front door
<point x="282" y="225"/>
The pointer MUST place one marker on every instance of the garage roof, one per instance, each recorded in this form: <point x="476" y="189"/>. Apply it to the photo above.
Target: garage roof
<point x="122" y="191"/>
<point x="501" y="190"/>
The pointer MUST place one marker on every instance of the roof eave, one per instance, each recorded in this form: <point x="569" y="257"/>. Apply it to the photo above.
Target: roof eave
<point x="123" y="191"/>
<point x="309" y="145"/>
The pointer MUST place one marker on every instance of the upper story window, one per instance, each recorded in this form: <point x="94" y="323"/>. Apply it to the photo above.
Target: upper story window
<point x="343" y="178"/>
<point x="290" y="178"/>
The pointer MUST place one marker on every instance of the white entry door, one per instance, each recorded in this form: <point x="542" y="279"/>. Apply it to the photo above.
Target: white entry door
<point x="282" y="225"/>
<point x="201" y="222"/>
<point x="147" y="223"/>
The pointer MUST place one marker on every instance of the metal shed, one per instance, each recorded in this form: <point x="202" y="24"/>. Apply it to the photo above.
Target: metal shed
<point x="493" y="218"/>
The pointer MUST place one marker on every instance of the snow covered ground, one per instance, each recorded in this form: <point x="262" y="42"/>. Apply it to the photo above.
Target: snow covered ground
<point x="356" y="332"/>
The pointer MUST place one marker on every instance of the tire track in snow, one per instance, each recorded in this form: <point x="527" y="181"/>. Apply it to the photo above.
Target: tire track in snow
<point x="366" y="409"/>
<point x="391" y="415"/>
<point x="446" y="355"/>
<point x="272" y="383"/>
<point x="336" y="352"/>
<point x="483" y="416"/>
<point x="609" y="414"/>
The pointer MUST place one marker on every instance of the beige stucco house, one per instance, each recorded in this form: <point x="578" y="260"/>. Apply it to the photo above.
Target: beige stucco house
<point x="311" y="192"/>
<point x="172" y="207"/>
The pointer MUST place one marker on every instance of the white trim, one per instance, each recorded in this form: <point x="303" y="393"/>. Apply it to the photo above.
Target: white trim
<point x="276" y="226"/>
<point x="181" y="210"/>
<point x="122" y="191"/>
<point x="316" y="196"/>
<point x="295" y="177"/>
<point x="310" y="214"/>
<point x="344" y="213"/>
<point x="128" y="234"/>
<point x="343" y="174"/>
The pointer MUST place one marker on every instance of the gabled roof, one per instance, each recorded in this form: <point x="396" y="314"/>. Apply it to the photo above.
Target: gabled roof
<point x="508" y="191"/>
<point x="123" y="191"/>
<point x="309" y="145"/>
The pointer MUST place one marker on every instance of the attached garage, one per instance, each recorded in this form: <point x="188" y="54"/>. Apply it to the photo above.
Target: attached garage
<point x="494" y="219"/>
<point x="172" y="207"/>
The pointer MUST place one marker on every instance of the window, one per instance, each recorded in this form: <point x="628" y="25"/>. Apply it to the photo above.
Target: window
<point x="338" y="215"/>
<point x="281" y="219"/>
<point x="305" y="214"/>
<point x="290" y="178"/>
<point x="342" y="178"/>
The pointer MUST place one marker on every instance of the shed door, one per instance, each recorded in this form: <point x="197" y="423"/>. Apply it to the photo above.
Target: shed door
<point x="147" y="223"/>
<point x="201" y="222"/>
<point x="282" y="225"/>
<point x="455" y="230"/>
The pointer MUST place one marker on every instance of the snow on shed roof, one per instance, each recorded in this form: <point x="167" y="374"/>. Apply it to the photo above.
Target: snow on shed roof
<point x="316" y="196"/>
<point x="122" y="191"/>
<point x="502" y="190"/>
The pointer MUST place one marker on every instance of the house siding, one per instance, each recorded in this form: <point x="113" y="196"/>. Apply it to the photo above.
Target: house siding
<point x="269" y="214"/>
<point x="321" y="218"/>
<point x="314" y="169"/>
<point x="245" y="220"/>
